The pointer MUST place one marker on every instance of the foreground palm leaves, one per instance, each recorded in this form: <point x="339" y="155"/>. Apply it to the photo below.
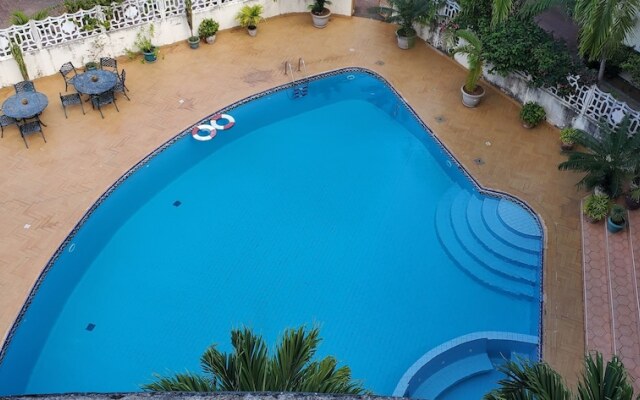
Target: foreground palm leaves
<point x="528" y="380"/>
<point x="250" y="368"/>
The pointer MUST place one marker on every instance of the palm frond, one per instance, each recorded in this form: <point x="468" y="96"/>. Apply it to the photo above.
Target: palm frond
<point x="184" y="382"/>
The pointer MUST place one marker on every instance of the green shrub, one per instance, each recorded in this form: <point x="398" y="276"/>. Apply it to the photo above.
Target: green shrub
<point x="569" y="135"/>
<point x="596" y="207"/>
<point x="208" y="27"/>
<point x="522" y="46"/>
<point x="632" y="66"/>
<point x="249" y="16"/>
<point x="532" y="113"/>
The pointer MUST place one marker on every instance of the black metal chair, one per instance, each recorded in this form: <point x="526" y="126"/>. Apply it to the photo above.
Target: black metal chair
<point x="66" y="70"/>
<point x="29" y="127"/>
<point x="103" y="99"/>
<point x="120" y="86"/>
<point x="109" y="63"/>
<point x="6" y="120"/>
<point x="69" y="100"/>
<point x="25" y="86"/>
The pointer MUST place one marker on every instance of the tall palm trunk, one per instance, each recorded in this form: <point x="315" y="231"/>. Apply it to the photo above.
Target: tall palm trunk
<point x="603" y="63"/>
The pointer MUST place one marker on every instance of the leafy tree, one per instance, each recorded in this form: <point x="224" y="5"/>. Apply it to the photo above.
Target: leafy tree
<point x="405" y="13"/>
<point x="250" y="368"/>
<point x="604" y="24"/>
<point x="528" y="380"/>
<point x="611" y="160"/>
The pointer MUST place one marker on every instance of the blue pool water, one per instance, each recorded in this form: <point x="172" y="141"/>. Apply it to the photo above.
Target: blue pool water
<point x="336" y="209"/>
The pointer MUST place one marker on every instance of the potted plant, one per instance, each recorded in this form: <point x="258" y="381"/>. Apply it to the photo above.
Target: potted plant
<point x="319" y="13"/>
<point x="532" y="114"/>
<point x="633" y="199"/>
<point x="617" y="218"/>
<point x="194" y="41"/>
<point x="249" y="16"/>
<point x="208" y="29"/>
<point x="406" y="13"/>
<point x="471" y="91"/>
<point x="91" y="66"/>
<point x="145" y="45"/>
<point x="568" y="138"/>
<point x="596" y="207"/>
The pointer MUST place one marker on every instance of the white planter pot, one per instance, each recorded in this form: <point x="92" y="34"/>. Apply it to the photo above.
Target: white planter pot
<point x="320" y="21"/>
<point x="210" y="39"/>
<point x="471" y="100"/>
<point x="405" y="42"/>
<point x="252" y="31"/>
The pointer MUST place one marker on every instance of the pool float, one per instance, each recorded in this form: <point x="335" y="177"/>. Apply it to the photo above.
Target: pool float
<point x="195" y="132"/>
<point x="217" y="117"/>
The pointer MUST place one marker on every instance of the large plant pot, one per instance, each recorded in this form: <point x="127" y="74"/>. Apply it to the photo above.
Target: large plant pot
<point x="406" y="41"/>
<point x="613" y="227"/>
<point x="150" y="56"/>
<point x="252" y="30"/>
<point x="210" y="39"/>
<point x="194" y="42"/>
<point x="321" y="20"/>
<point x="472" y="100"/>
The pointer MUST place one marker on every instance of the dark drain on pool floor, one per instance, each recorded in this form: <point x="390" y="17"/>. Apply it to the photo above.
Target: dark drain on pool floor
<point x="90" y="327"/>
<point x="177" y="203"/>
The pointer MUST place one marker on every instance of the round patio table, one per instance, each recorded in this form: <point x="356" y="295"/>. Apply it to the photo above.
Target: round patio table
<point x="95" y="82"/>
<point x="25" y="105"/>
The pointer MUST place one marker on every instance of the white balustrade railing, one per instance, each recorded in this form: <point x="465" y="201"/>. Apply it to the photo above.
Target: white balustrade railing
<point x="588" y="101"/>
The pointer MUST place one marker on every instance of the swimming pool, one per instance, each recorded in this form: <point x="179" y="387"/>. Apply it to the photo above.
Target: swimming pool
<point x="337" y="208"/>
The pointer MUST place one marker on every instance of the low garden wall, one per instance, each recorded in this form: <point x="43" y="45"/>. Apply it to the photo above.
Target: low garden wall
<point x="82" y="37"/>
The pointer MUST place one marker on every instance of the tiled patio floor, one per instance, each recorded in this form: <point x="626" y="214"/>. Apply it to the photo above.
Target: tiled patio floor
<point x="46" y="189"/>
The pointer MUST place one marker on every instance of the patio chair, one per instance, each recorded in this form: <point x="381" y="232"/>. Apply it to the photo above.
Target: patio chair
<point x="109" y="63"/>
<point x="120" y="86"/>
<point x="103" y="99"/>
<point x="68" y="72"/>
<point x="6" y="120"/>
<point x="29" y="127"/>
<point x="25" y="86"/>
<point x="69" y="100"/>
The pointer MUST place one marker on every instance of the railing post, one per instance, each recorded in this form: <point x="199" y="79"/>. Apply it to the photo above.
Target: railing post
<point x="162" y="7"/>
<point x="35" y="34"/>
<point x="587" y="100"/>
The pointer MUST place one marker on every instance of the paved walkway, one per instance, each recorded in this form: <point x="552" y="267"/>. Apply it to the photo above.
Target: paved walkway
<point x="45" y="190"/>
<point x="612" y="283"/>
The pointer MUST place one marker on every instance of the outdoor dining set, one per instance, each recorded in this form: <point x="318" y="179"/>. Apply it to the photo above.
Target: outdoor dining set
<point x="23" y="109"/>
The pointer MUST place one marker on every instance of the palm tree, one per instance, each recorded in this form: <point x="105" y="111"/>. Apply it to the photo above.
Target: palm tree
<point x="611" y="161"/>
<point x="527" y="380"/>
<point x="250" y="368"/>
<point x="475" y="58"/>
<point x="604" y="24"/>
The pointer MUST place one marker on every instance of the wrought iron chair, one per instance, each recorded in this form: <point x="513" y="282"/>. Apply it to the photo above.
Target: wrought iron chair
<point x="66" y="70"/>
<point x="69" y="100"/>
<point x="29" y="127"/>
<point x="25" y="86"/>
<point x="109" y="63"/>
<point x="103" y="99"/>
<point x="6" y="120"/>
<point x="120" y="86"/>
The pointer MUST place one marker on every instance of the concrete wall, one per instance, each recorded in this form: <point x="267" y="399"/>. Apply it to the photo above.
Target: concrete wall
<point x="47" y="61"/>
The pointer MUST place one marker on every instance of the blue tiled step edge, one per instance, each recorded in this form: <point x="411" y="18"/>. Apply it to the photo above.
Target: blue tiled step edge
<point x="451" y="374"/>
<point x="503" y="265"/>
<point x="500" y="231"/>
<point x="518" y="219"/>
<point x="512" y="247"/>
<point x="467" y="263"/>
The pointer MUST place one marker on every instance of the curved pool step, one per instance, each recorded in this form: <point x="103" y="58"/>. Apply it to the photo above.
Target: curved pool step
<point x="518" y="220"/>
<point x="452" y="374"/>
<point x="525" y="253"/>
<point x="507" y="265"/>
<point x="489" y="208"/>
<point x="457" y="252"/>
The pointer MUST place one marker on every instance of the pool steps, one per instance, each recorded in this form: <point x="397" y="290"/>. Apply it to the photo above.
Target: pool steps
<point x="496" y="250"/>
<point x="462" y="358"/>
<point x="452" y="374"/>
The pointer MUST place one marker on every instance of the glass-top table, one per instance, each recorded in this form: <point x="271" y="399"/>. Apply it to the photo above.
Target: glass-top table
<point x="95" y="82"/>
<point x="25" y="105"/>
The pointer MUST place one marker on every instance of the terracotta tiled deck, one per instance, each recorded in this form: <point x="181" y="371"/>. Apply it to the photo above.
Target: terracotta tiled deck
<point x="49" y="186"/>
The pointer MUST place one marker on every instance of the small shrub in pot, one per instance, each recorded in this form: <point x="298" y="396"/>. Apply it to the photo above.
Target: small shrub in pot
<point x="596" y="207"/>
<point x="208" y="29"/>
<point x="617" y="218"/>
<point x="532" y="114"/>
<point x="568" y="138"/>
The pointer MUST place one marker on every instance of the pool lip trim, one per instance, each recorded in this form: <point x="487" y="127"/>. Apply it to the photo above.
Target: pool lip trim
<point x="486" y="191"/>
